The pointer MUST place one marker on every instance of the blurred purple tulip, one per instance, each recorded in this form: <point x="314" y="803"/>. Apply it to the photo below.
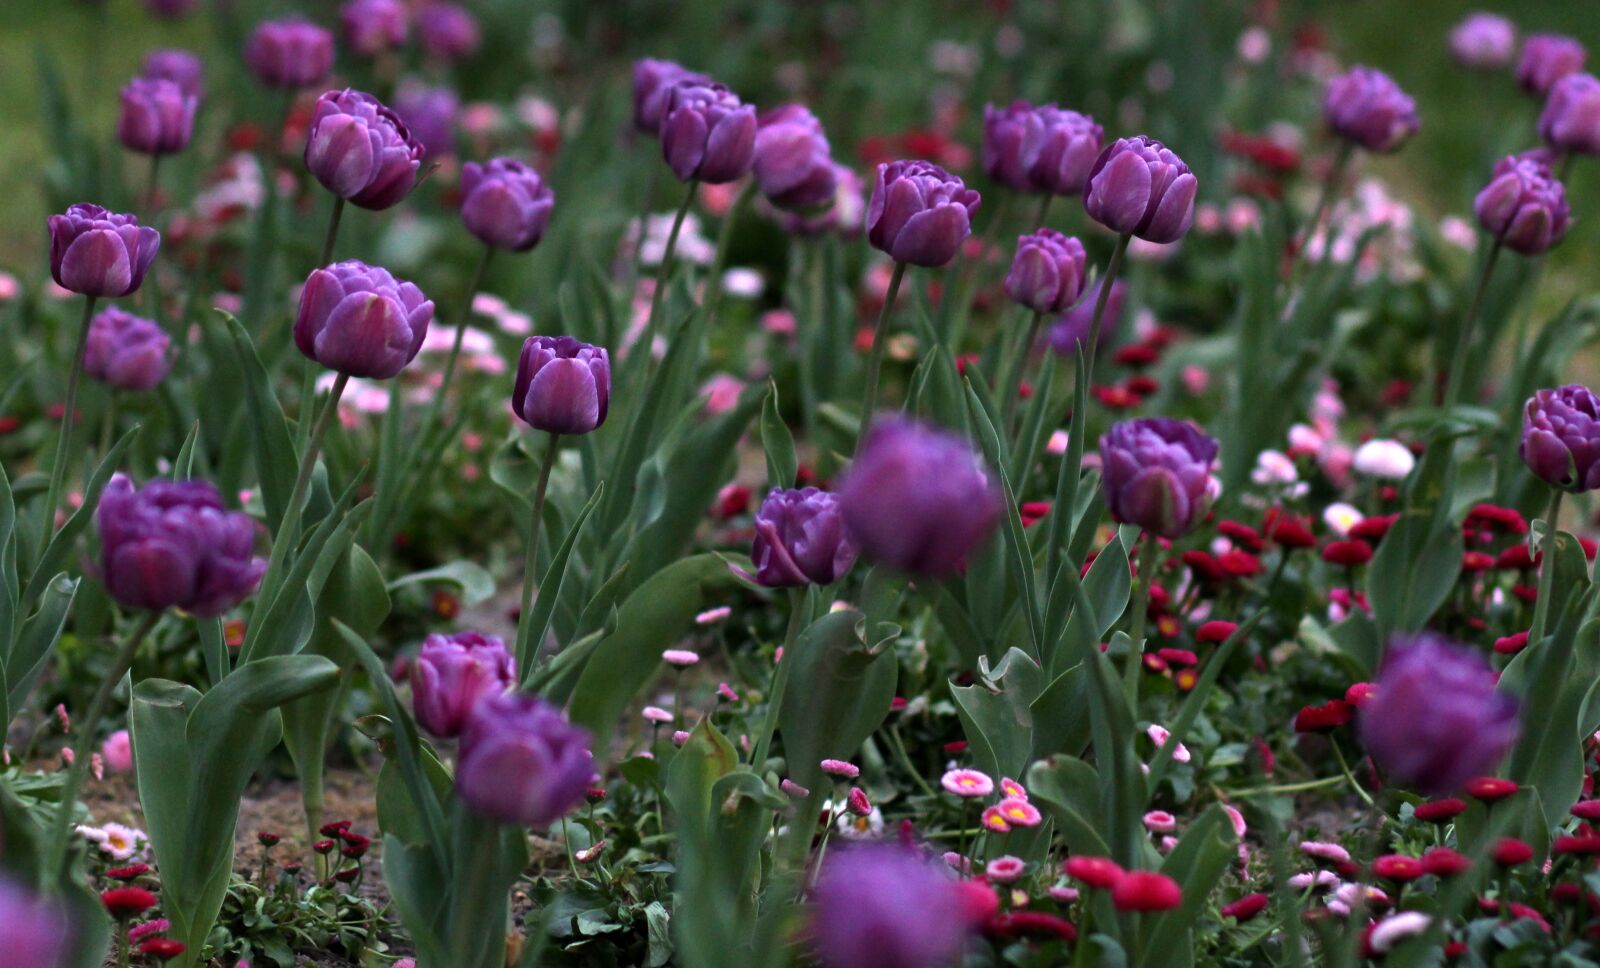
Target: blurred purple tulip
<point x="361" y="321"/>
<point x="1547" y="58"/>
<point x="290" y="54"/>
<point x="707" y="133"/>
<point x="1366" y="107"/>
<point x="886" y="906"/>
<point x="374" y="26"/>
<point x="1483" y="42"/>
<point x="453" y="673"/>
<point x="361" y="150"/>
<point x="522" y="762"/>
<point x="157" y="117"/>
<point x="1073" y="327"/>
<point x="841" y="214"/>
<point x="792" y="163"/>
<point x="1156" y="474"/>
<point x="652" y="82"/>
<point x="1524" y="206"/>
<point x="448" y="31"/>
<point x="126" y="351"/>
<point x="505" y="203"/>
<point x="1570" y="121"/>
<point x="1062" y="150"/>
<point x="181" y="67"/>
<point x="430" y="115"/>
<point x="34" y="932"/>
<point x="1006" y="138"/>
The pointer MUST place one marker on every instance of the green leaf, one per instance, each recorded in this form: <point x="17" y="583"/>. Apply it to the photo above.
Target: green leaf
<point x="1197" y="863"/>
<point x="1553" y="681"/>
<point x="275" y="458"/>
<point x="544" y="607"/>
<point x="1069" y="790"/>
<point x="778" y="442"/>
<point x="37" y="637"/>
<point x="472" y="580"/>
<point x="60" y="546"/>
<point x="997" y="713"/>
<point x="1196" y="700"/>
<point x="838" y="695"/>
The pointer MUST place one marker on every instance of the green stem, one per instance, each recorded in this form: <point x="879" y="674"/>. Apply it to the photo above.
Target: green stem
<point x="1018" y="366"/>
<point x="525" y="647"/>
<point x="664" y="272"/>
<point x="122" y="944"/>
<point x="1458" y="363"/>
<point x="151" y="185"/>
<point x="50" y="872"/>
<point x="58" y="469"/>
<point x="780" y="677"/>
<point x="1044" y="210"/>
<point x="1300" y="787"/>
<point x="455" y="347"/>
<point x="1113" y="267"/>
<point x="1344" y="770"/>
<point x="1149" y="556"/>
<point x="724" y="239"/>
<point x="1547" y="571"/>
<point x="880" y="338"/>
<point x="906" y="764"/>
<point x="333" y="232"/>
<point x="1330" y="188"/>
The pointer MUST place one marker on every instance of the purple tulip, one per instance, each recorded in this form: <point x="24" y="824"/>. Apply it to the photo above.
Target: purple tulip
<point x="792" y="165"/>
<point x="171" y="544"/>
<point x="171" y="9"/>
<point x="707" y="133"/>
<point x="1156" y="473"/>
<point x="522" y="762"/>
<point x="453" y="673"/>
<point x="800" y="539"/>
<point x="289" y="54"/>
<point x="361" y="321"/>
<point x="126" y="351"/>
<point x="157" y="117"/>
<point x="1570" y="121"/>
<point x="1047" y="273"/>
<point x="34" y="933"/>
<point x="360" y="150"/>
<point x="1139" y="187"/>
<point x="99" y="253"/>
<point x="430" y="115"/>
<point x="1435" y="719"/>
<point x="920" y="213"/>
<point x="841" y="214"/>
<point x="1006" y="140"/>
<point x="1074" y="326"/>
<point x="1062" y="150"/>
<point x="1547" y="58"/>
<point x="1524" y="206"/>
<point x="505" y="203"/>
<point x="181" y="67"/>
<point x="886" y="906"/>
<point x="1483" y="42"/>
<point x="448" y="31"/>
<point x="1561" y="438"/>
<point x="653" y="81"/>
<point x="1366" y="107"/>
<point x="374" y="26"/>
<point x="918" y="498"/>
<point x="563" y="385"/>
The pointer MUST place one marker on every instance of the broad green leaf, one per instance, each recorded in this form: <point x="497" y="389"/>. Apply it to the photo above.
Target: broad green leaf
<point x="1069" y="790"/>
<point x="473" y="581"/>
<point x="532" y="632"/>
<point x="275" y="457"/>
<point x="996" y="713"/>
<point x="1201" y="858"/>
<point x="778" y="442"/>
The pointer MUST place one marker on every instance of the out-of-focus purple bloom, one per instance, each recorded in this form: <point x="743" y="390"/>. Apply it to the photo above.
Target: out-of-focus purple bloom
<point x="1047" y="273"/>
<point x="563" y="385"/>
<point x="793" y="166"/>
<point x="1524" y="206"/>
<point x="886" y="906"/>
<point x="1561" y="437"/>
<point x="1483" y="41"/>
<point x="126" y="351"/>
<point x="1365" y="106"/>
<point x="171" y="544"/>
<point x="361" y="321"/>
<point x="374" y="26"/>
<point x="1435" y="719"/>
<point x="290" y="53"/>
<point x="453" y="673"/>
<point x="1140" y="187"/>
<point x="920" y="213"/>
<point x="800" y="539"/>
<point x="360" y="150"/>
<point x="448" y="31"/>
<point x="1570" y="121"/>
<point x="522" y="762"/>
<point x="1074" y="326"/>
<point x="505" y="203"/>
<point x="1006" y="137"/>
<point x="1547" y="58"/>
<point x="181" y="67"/>
<point x="707" y="133"/>
<point x="842" y="214"/>
<point x="171" y="9"/>
<point x="652" y="82"/>
<point x="157" y="116"/>
<point x="918" y="498"/>
<point x="99" y="253"/>
<point x="1062" y="150"/>
<point x="430" y="115"/>
<point x="1156" y="473"/>
<point x="33" y="932"/>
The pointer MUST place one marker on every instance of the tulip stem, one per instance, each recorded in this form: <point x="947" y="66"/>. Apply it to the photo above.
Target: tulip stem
<point x="1113" y="267"/>
<point x="780" y="678"/>
<point x="664" y="271"/>
<point x="1149" y="556"/>
<point x="880" y="338"/>
<point x="455" y="347"/>
<point x="1547" y="570"/>
<point x="724" y="239"/>
<point x="1458" y="362"/>
<point x="50" y="872"/>
<point x="1044" y="209"/>
<point x="333" y="231"/>
<point x="58" y="469"/>
<point x="1016" y="370"/>
<point x="150" y="186"/>
<point x="1330" y="187"/>
<point x="525" y="648"/>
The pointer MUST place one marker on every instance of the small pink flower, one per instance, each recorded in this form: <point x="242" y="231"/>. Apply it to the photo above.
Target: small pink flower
<point x="793" y="789"/>
<point x="97" y="766"/>
<point x="1169" y="843"/>
<point x="967" y="783"/>
<point x="726" y="692"/>
<point x="993" y="819"/>
<point x="139" y="932"/>
<point x="1012" y="789"/>
<point x="841" y="769"/>
<point x="1317" y="879"/>
<point x="656" y="714"/>
<point x="1063" y="894"/>
<point x="681" y="658"/>
<point x="961" y="864"/>
<point x="1240" y="828"/>
<point x="589" y="853"/>
<point x="1159" y="735"/>
<point x="713" y="615"/>
<point x="679" y="737"/>
<point x="1160" y="822"/>
<point x="1005" y="870"/>
<point x="1323" y="850"/>
<point x="858" y="802"/>
<point x="1019" y="813"/>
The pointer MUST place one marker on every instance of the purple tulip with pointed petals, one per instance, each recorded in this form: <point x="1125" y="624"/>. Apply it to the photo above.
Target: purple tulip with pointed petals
<point x="360" y="150"/>
<point x="1561" y="438"/>
<point x="707" y="133"/>
<point x="522" y="762"/>
<point x="505" y="203"/>
<point x="99" y="253"/>
<point x="800" y="539"/>
<point x="453" y="673"/>
<point x="1524" y="206"/>
<point x="126" y="351"/>
<point x="1062" y="150"/>
<point x="793" y="165"/>
<point x="652" y="83"/>
<point x="563" y="385"/>
<point x="920" y="213"/>
<point x="1156" y="474"/>
<point x="1139" y="187"/>
<point x="290" y="54"/>
<point x="361" y="321"/>
<point x="1570" y="121"/>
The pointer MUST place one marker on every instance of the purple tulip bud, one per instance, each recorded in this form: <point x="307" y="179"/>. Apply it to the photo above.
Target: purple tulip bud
<point x="157" y="117"/>
<point x="841" y="214"/>
<point x="289" y="54"/>
<point x="1366" y="107"/>
<point x="374" y="26"/>
<point x="1561" y="438"/>
<point x="920" y="213"/>
<point x="1047" y="273"/>
<point x="1156" y="472"/>
<point x="1139" y="187"/>
<point x="1483" y="42"/>
<point x="126" y="351"/>
<point x="918" y="498"/>
<point x="1435" y="719"/>
<point x="652" y="83"/>
<point x="171" y="544"/>
<point x="448" y="31"/>
<point x="707" y="133"/>
<point x="800" y="539"/>
<point x="1547" y="58"/>
<point x="793" y="167"/>
<point x="171" y="9"/>
<point x="181" y="67"/>
<point x="1524" y="206"/>
<point x="99" y="253"/>
<point x="1570" y="121"/>
<point x="453" y="673"/>
<point x="1008" y="133"/>
<point x="1062" y="150"/>
<point x="430" y="115"/>
<point x="563" y="385"/>
<point x="522" y="762"/>
<point x="360" y="150"/>
<point x="34" y="932"/>
<point x="886" y="906"/>
<point x="505" y="203"/>
<point x="1074" y="326"/>
<point x="361" y="321"/>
